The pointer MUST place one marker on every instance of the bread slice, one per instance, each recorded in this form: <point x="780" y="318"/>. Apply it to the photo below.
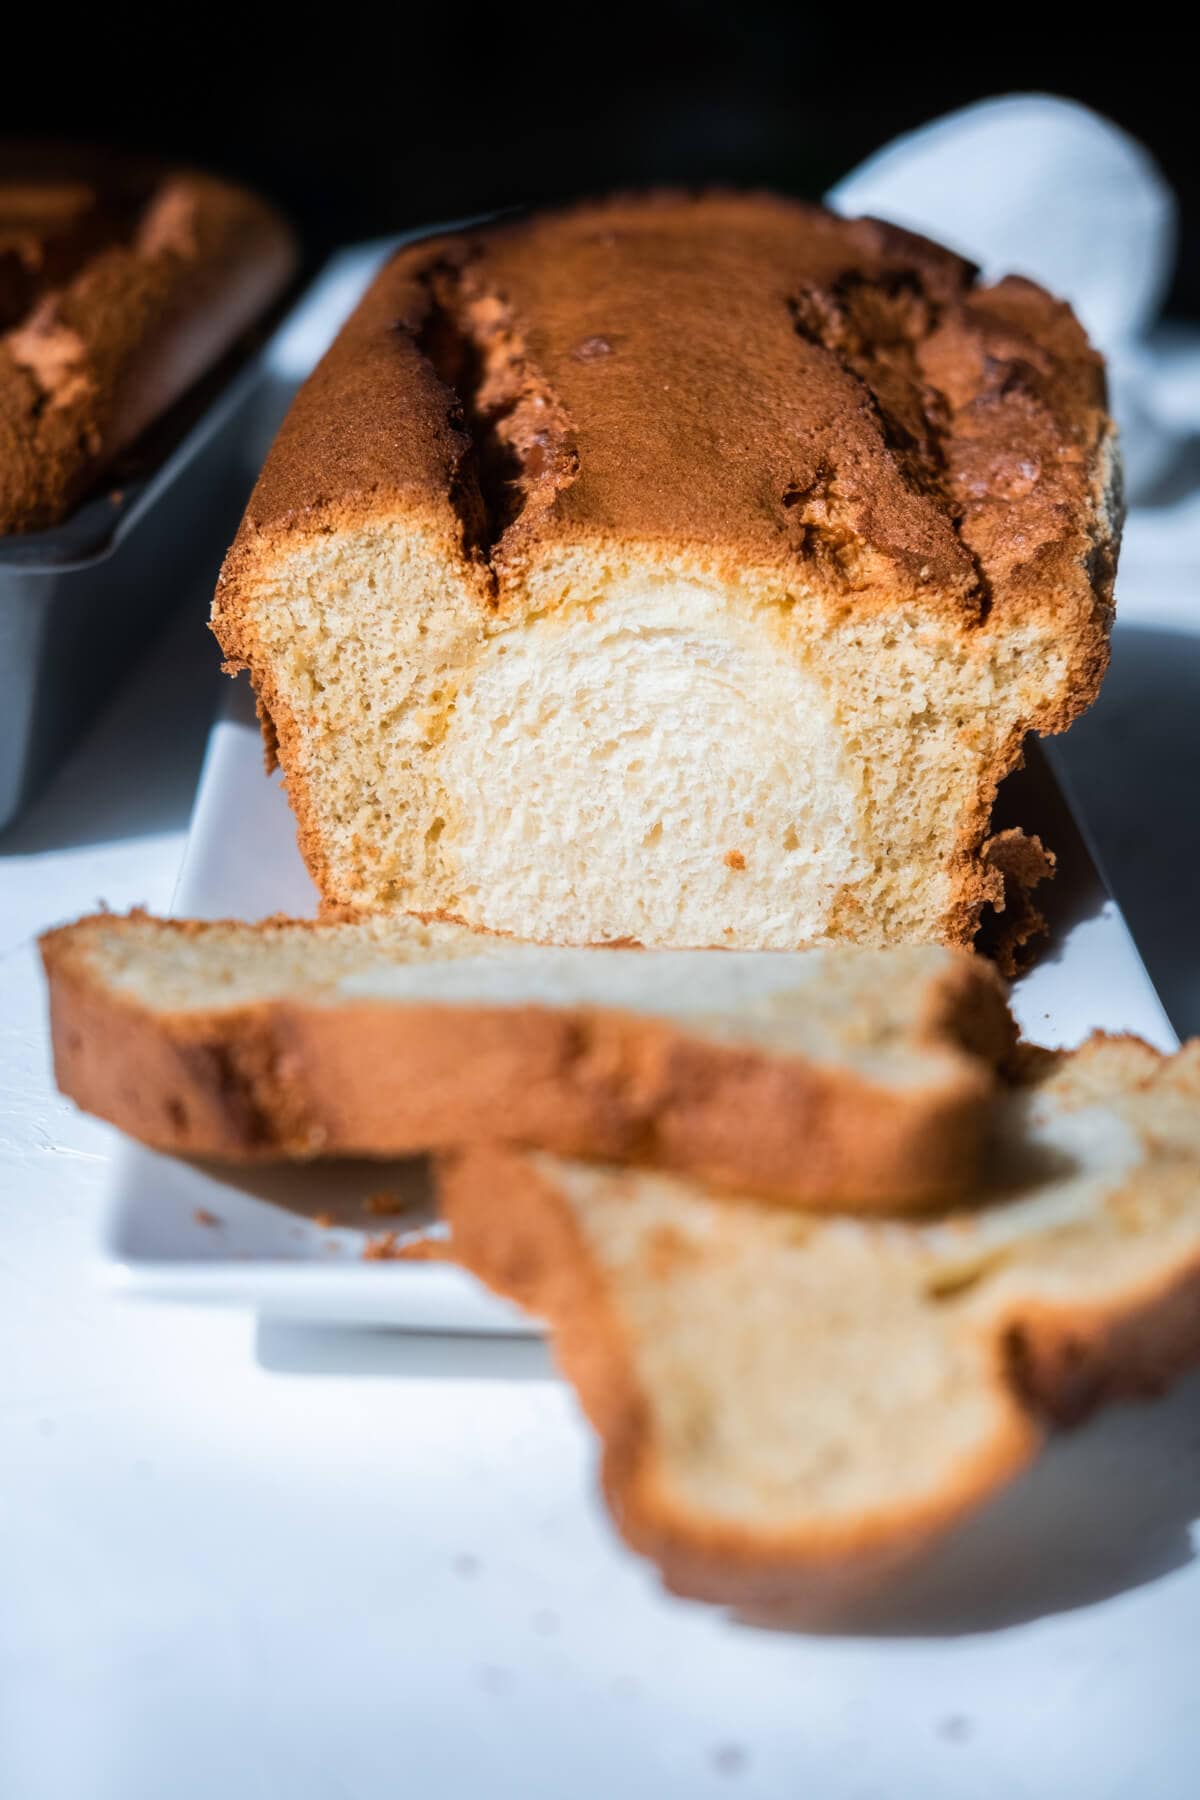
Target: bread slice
<point x="121" y="282"/>
<point x="791" y="1404"/>
<point x="842" y="1077"/>
<point x="679" y="570"/>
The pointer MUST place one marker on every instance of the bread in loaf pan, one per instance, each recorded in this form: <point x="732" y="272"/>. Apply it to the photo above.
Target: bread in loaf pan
<point x="121" y="283"/>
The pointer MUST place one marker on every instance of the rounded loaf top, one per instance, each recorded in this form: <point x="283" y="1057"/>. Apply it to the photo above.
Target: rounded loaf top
<point x="744" y="380"/>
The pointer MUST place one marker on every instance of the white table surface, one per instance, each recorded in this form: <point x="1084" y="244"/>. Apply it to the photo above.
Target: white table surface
<point x="277" y="1562"/>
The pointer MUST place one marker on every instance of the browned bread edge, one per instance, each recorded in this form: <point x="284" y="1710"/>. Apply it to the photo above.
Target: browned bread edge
<point x="289" y="1079"/>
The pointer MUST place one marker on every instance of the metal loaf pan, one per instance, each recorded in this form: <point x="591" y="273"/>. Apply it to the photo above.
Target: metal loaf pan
<point x="80" y="602"/>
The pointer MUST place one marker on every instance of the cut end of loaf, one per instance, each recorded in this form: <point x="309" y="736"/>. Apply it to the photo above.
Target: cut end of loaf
<point x="652" y="755"/>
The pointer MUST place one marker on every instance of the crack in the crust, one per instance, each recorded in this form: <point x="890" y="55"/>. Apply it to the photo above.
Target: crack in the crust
<point x="519" y="447"/>
<point x="873" y="325"/>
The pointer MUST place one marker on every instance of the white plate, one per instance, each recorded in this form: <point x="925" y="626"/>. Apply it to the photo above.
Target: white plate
<point x="160" y="1239"/>
<point x="186" y="1231"/>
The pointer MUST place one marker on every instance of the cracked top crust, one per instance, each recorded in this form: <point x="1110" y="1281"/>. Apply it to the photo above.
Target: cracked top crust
<point x="121" y="282"/>
<point x="754" y="382"/>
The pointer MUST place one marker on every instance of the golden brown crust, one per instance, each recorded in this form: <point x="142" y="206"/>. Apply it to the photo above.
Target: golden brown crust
<point x="742" y="375"/>
<point x="1052" y="1363"/>
<point x="283" y="1079"/>
<point x="119" y="286"/>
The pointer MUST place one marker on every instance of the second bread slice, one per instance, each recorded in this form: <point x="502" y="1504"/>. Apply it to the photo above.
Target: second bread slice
<point x="831" y="1078"/>
<point x="790" y="1406"/>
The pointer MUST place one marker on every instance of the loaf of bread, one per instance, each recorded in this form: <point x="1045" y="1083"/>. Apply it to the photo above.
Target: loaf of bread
<point x="846" y="1077"/>
<point x="789" y="1405"/>
<point x="120" y="284"/>
<point x="679" y="570"/>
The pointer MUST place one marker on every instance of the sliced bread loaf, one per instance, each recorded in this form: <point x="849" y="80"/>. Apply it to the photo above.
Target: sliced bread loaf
<point x="856" y="1078"/>
<point x="788" y="1402"/>
<point x="679" y="569"/>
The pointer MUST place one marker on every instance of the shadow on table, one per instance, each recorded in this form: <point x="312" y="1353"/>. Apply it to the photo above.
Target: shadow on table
<point x="340" y="1195"/>
<point x="1108" y="1508"/>
<point x="343" y="1193"/>
<point x="134" y="772"/>
<point x="1133" y="764"/>
<point x="289" y="1349"/>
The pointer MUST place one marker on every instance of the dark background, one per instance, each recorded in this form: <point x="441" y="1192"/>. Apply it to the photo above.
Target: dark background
<point x="362" y="120"/>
